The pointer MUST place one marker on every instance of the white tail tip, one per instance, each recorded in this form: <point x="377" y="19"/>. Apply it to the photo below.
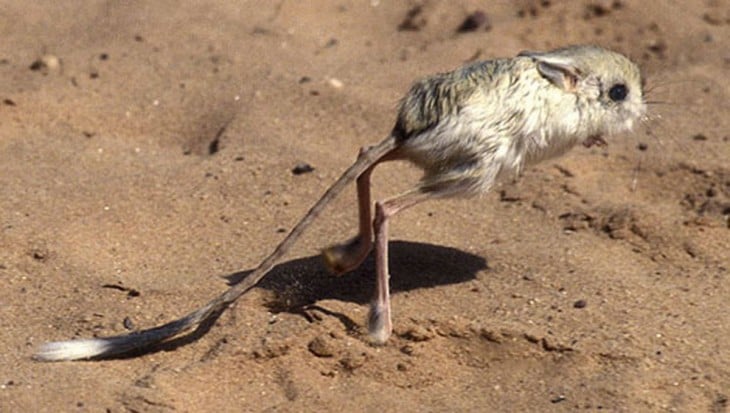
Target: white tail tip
<point x="71" y="350"/>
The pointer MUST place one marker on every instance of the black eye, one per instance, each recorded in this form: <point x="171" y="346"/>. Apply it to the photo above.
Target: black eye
<point x="618" y="92"/>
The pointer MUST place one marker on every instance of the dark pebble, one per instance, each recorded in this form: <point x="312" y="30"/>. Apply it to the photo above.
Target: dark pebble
<point x="414" y="20"/>
<point x="302" y="168"/>
<point x="473" y="22"/>
<point x="39" y="254"/>
<point x="558" y="399"/>
<point x="37" y="65"/>
<point x="580" y="304"/>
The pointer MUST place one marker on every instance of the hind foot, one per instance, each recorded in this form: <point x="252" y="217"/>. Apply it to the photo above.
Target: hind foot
<point x="341" y="258"/>
<point x="380" y="325"/>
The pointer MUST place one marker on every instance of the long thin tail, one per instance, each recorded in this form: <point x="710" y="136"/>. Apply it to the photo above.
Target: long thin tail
<point x="117" y="345"/>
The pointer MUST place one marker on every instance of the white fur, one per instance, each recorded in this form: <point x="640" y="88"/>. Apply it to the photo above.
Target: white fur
<point x="71" y="350"/>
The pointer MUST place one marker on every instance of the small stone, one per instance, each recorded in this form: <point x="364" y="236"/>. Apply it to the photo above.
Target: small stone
<point x="39" y="254"/>
<point x="302" y="168"/>
<point x="407" y="349"/>
<point x="353" y="360"/>
<point x="490" y="335"/>
<point x="414" y="20"/>
<point x="473" y="22"/>
<point x="657" y="46"/>
<point x="322" y="347"/>
<point x="417" y="334"/>
<point x="580" y="304"/>
<point x="711" y="19"/>
<point x="557" y="399"/>
<point x="336" y="83"/>
<point x="45" y="64"/>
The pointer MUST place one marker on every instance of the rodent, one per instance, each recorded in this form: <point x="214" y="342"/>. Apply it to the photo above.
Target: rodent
<point x="466" y="129"/>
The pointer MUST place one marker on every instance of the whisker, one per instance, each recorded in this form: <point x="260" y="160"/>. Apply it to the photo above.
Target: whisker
<point x="659" y="102"/>
<point x="635" y="174"/>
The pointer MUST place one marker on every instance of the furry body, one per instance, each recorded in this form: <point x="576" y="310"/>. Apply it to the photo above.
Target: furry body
<point x="466" y="129"/>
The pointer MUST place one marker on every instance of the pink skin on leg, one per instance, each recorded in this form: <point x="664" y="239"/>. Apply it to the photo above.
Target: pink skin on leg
<point x="380" y="325"/>
<point x="341" y="258"/>
<point x="345" y="257"/>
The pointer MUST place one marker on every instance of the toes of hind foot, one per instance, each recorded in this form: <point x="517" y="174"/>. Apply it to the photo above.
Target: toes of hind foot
<point x="342" y="258"/>
<point x="334" y="259"/>
<point x="379" y="324"/>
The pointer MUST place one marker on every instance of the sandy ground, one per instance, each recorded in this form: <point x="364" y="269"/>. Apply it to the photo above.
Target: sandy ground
<point x="146" y="155"/>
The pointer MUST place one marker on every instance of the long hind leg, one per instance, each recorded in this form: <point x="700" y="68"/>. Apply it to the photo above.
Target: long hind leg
<point x="344" y="257"/>
<point x="380" y="325"/>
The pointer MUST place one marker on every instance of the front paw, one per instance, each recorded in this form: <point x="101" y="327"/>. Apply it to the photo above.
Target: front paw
<point x="595" y="140"/>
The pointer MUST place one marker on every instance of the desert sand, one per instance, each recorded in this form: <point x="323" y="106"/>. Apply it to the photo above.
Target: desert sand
<point x="146" y="158"/>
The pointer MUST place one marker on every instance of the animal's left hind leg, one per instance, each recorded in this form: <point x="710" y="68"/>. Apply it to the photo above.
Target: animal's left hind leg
<point x="344" y="257"/>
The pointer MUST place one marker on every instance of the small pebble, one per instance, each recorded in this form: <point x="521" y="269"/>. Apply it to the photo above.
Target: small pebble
<point x="46" y="63"/>
<point x="336" y="83"/>
<point x="580" y="304"/>
<point x="322" y="347"/>
<point x="414" y="20"/>
<point x="353" y="360"/>
<point x="407" y="349"/>
<point x="473" y="22"/>
<point x="418" y="333"/>
<point x="302" y="168"/>
<point x="557" y="399"/>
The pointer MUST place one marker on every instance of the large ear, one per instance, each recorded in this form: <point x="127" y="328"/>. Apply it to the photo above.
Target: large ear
<point x="559" y="70"/>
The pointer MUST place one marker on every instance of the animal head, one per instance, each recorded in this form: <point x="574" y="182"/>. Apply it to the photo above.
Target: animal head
<point x="608" y="85"/>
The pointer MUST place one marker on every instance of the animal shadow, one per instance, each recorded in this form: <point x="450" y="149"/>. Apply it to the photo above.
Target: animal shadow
<point x="304" y="281"/>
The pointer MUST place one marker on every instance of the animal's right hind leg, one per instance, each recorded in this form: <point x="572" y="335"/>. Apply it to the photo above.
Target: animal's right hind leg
<point x="380" y="324"/>
<point x="344" y="257"/>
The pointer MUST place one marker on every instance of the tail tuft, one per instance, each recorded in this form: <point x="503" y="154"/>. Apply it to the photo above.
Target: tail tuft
<point x="71" y="350"/>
